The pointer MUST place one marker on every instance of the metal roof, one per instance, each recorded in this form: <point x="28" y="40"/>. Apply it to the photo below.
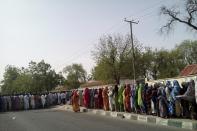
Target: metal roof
<point x="189" y="70"/>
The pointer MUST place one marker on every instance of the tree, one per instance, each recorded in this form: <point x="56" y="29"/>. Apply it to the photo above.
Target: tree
<point x="10" y="75"/>
<point x="166" y="63"/>
<point x="145" y="61"/>
<point x="44" y="78"/>
<point x="38" y="77"/>
<point x="187" y="16"/>
<point x="188" y="51"/>
<point x="76" y="75"/>
<point x="113" y="56"/>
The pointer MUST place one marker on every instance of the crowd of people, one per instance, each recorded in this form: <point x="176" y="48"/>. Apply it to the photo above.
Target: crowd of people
<point x="164" y="100"/>
<point x="31" y="101"/>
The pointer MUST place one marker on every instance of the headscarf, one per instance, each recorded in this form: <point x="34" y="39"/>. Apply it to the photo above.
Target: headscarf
<point x="110" y="91"/>
<point x="120" y="96"/>
<point x="140" y="102"/>
<point x="191" y="89"/>
<point x="176" y="89"/>
<point x="168" y="90"/>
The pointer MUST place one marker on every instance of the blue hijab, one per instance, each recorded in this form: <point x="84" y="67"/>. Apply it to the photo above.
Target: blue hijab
<point x="176" y="89"/>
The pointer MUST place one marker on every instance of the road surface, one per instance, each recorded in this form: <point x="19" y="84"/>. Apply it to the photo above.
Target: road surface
<point x="54" y="120"/>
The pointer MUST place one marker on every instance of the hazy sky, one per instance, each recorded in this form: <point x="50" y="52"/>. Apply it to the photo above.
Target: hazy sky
<point x="63" y="32"/>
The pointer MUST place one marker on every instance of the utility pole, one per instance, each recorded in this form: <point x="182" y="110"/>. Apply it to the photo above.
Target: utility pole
<point x="133" y="56"/>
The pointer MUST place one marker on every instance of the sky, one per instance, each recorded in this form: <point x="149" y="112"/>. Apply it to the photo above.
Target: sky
<point x="63" y="32"/>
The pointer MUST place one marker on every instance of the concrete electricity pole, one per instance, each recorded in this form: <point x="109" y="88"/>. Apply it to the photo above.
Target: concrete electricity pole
<point x="133" y="56"/>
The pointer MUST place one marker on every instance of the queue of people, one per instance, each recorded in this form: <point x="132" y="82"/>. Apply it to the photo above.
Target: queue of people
<point x="171" y="99"/>
<point x="164" y="100"/>
<point x="31" y="101"/>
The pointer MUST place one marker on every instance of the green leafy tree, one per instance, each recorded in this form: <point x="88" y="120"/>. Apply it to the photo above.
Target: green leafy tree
<point x="38" y="77"/>
<point x="166" y="63"/>
<point x="188" y="50"/>
<point x="113" y="56"/>
<point x="75" y="75"/>
<point x="145" y="61"/>
<point x="44" y="78"/>
<point x="10" y="75"/>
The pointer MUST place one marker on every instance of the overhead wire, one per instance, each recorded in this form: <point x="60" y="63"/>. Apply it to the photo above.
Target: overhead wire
<point x="118" y="25"/>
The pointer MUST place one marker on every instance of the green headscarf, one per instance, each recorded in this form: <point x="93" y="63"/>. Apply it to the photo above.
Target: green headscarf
<point x="120" y="95"/>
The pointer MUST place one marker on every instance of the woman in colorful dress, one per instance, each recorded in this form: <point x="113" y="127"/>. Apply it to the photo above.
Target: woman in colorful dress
<point x="105" y="99"/>
<point x="100" y="98"/>
<point x="116" y="98"/>
<point x="96" y="99"/>
<point x="75" y="101"/>
<point x="111" y="100"/>
<point x="120" y="98"/>
<point x="127" y="94"/>
<point x="86" y="98"/>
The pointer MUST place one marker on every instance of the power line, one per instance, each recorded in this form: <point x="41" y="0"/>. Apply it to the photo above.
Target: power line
<point x="148" y="8"/>
<point x="79" y="53"/>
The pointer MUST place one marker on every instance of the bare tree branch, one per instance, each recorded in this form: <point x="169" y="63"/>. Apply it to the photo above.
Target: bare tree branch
<point x="174" y="16"/>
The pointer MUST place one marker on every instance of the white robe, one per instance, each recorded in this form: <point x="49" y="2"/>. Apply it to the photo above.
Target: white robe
<point x="43" y="99"/>
<point x="26" y="102"/>
<point x="111" y="100"/>
<point x="59" y="98"/>
<point x="32" y="102"/>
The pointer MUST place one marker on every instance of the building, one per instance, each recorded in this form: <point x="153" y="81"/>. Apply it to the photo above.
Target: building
<point x="189" y="70"/>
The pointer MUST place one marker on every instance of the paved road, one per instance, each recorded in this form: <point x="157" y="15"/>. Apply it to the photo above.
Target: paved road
<point x="53" y="120"/>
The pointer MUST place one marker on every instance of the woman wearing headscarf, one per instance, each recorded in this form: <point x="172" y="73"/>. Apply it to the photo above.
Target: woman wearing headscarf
<point x="26" y="102"/>
<point x="105" y="99"/>
<point x="80" y="97"/>
<point x="86" y="97"/>
<point x="43" y="99"/>
<point x="132" y="98"/>
<point x="184" y="103"/>
<point x="123" y="94"/>
<point x="17" y="102"/>
<point x="111" y="100"/>
<point x="9" y="103"/>
<point x="175" y="106"/>
<point x="100" y="98"/>
<point x="162" y="102"/>
<point x="190" y="98"/>
<point x="154" y="99"/>
<point x="32" y="101"/>
<point x="116" y="98"/>
<point x="96" y="99"/>
<point x="136" y="98"/>
<point x="140" y="101"/>
<point x="91" y="98"/>
<point x="13" y="102"/>
<point x="21" y="102"/>
<point x="120" y="98"/>
<point x="147" y="99"/>
<point x="75" y="101"/>
<point x="127" y="94"/>
<point x="168" y="90"/>
<point x="144" y="96"/>
<point x="5" y="103"/>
